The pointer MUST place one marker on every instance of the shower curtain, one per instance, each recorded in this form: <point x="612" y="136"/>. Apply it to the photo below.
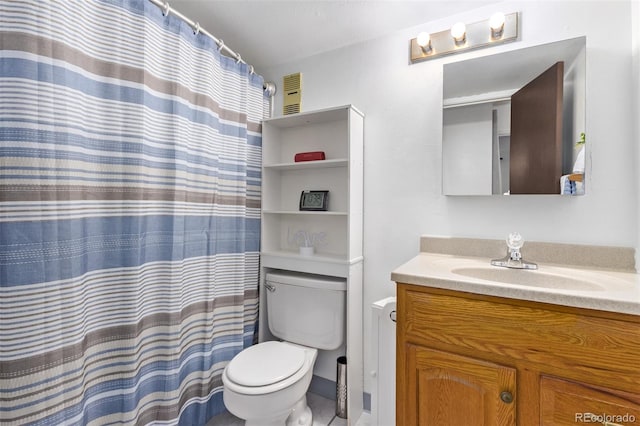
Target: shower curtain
<point x="130" y="154"/>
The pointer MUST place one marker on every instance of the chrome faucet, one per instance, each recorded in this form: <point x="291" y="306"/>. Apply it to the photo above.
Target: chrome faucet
<point x="513" y="259"/>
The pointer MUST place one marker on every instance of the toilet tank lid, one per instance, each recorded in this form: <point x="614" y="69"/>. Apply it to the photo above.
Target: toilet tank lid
<point x="265" y="364"/>
<point x="307" y="280"/>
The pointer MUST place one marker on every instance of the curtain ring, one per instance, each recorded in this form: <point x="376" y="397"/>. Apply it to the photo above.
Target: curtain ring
<point x="251" y="70"/>
<point x="220" y="45"/>
<point x="196" y="29"/>
<point x="238" y="58"/>
<point x="165" y="8"/>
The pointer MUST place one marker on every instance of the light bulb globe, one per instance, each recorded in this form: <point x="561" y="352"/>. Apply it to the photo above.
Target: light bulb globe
<point x="423" y="39"/>
<point x="496" y="21"/>
<point x="458" y="31"/>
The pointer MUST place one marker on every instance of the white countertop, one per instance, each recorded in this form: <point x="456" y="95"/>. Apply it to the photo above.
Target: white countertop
<point x="568" y="286"/>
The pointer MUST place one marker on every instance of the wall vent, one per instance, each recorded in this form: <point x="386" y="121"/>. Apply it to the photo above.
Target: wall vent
<point x="292" y="93"/>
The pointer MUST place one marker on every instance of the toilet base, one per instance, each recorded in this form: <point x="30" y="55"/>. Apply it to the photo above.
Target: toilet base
<point x="301" y="415"/>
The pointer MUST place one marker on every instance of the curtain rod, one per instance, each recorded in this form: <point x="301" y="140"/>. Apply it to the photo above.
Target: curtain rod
<point x="268" y="86"/>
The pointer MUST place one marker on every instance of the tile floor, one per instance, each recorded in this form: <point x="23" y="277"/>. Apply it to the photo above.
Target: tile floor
<point x="324" y="414"/>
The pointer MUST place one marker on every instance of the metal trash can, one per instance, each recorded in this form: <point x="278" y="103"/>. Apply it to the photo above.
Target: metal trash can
<point x="341" y="387"/>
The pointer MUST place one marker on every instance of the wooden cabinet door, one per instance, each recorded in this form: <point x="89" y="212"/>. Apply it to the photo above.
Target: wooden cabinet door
<point x="563" y="402"/>
<point x="447" y="389"/>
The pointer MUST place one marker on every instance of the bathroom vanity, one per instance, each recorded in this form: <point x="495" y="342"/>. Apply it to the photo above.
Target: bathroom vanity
<point x="475" y="347"/>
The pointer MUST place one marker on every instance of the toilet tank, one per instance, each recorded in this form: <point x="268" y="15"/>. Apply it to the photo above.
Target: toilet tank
<point x="306" y="309"/>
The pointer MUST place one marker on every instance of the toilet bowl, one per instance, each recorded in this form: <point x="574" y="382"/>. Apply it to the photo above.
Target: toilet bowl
<point x="266" y="384"/>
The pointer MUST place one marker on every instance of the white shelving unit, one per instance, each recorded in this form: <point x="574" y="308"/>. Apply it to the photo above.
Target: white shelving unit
<point x="339" y="132"/>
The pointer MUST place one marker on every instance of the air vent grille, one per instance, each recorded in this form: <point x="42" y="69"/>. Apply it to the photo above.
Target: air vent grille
<point x="292" y="84"/>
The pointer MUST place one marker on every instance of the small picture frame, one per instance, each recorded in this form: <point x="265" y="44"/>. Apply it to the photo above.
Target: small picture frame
<point x="314" y="201"/>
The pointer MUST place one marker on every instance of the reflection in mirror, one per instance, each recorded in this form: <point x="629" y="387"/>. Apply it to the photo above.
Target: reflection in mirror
<point x="514" y="122"/>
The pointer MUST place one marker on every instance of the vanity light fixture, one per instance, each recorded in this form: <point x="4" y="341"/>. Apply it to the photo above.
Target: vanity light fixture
<point x="501" y="28"/>
<point x="459" y="33"/>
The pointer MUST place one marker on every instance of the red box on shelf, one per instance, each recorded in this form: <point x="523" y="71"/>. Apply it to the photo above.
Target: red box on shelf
<point x="309" y="156"/>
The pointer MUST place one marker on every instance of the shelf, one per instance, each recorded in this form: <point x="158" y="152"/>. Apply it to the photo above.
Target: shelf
<point x="317" y="257"/>
<point x="313" y="117"/>
<point x="302" y="213"/>
<point x="305" y="165"/>
<point x="322" y="264"/>
<point x="339" y="133"/>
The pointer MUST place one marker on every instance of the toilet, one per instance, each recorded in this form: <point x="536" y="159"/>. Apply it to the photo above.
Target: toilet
<point x="266" y="384"/>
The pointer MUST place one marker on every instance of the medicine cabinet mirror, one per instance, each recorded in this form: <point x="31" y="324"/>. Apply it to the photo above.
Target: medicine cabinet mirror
<point x="514" y="122"/>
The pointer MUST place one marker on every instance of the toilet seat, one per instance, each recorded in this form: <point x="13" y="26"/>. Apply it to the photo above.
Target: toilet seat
<point x="265" y="364"/>
<point x="310" y="355"/>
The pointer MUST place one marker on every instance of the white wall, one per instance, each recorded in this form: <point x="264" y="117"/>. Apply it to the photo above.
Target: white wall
<point x="635" y="17"/>
<point x="467" y="134"/>
<point x="403" y="131"/>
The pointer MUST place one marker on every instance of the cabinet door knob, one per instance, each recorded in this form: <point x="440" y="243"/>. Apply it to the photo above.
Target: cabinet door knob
<point x="506" y="397"/>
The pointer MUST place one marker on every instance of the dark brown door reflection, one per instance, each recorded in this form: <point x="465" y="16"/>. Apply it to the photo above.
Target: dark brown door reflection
<point x="536" y="134"/>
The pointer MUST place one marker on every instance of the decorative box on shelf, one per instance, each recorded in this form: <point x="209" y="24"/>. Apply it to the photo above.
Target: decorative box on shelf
<point x="309" y="156"/>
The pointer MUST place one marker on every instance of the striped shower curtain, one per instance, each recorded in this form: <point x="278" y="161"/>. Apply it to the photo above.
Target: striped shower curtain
<point x="129" y="214"/>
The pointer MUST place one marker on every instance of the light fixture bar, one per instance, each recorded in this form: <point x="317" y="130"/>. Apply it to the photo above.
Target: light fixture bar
<point x="477" y="35"/>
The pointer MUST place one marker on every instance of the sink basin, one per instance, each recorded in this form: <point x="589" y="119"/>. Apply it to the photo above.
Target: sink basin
<point x="528" y="278"/>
